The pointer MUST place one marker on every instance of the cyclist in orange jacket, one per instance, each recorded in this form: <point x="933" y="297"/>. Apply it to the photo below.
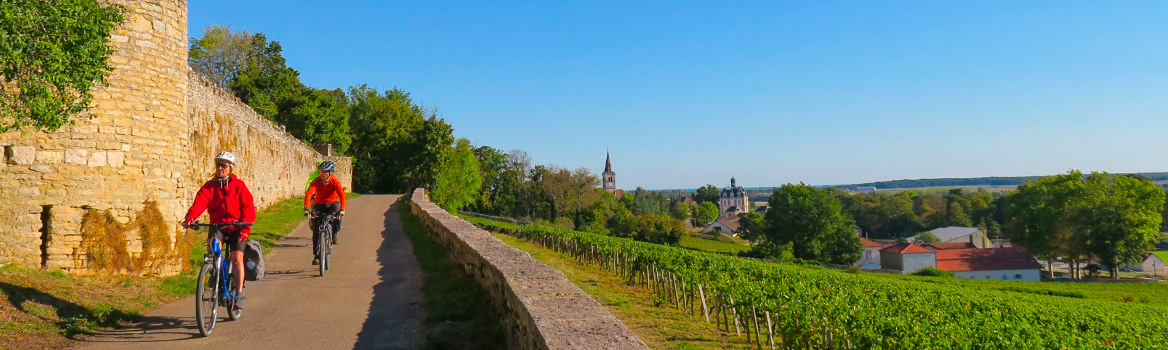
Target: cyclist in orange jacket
<point x="329" y="198"/>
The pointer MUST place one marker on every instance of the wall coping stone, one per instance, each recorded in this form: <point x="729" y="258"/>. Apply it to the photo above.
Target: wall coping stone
<point x="541" y="307"/>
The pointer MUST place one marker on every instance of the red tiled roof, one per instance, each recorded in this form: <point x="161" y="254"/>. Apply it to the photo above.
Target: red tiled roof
<point x="987" y="259"/>
<point x="947" y="246"/>
<point x="870" y="243"/>
<point x="906" y="248"/>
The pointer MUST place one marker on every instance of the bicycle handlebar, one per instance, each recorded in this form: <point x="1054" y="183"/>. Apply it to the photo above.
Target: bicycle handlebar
<point x="196" y="225"/>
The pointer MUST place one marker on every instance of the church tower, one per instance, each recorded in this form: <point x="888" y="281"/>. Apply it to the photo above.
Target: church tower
<point x="609" y="176"/>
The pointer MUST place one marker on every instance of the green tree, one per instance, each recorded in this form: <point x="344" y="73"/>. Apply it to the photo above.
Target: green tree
<point x="707" y="193"/>
<point x="459" y="180"/>
<point x="220" y="54"/>
<point x="51" y="54"/>
<point x="705" y="214"/>
<point x="398" y="145"/>
<point x="751" y="227"/>
<point x="926" y="237"/>
<point x="815" y="222"/>
<point x="1039" y="216"/>
<point x="1120" y="219"/>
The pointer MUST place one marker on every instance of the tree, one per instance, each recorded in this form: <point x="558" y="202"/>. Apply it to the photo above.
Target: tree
<point x="751" y="227"/>
<point x="705" y="214"/>
<point x="220" y="54"/>
<point x="317" y="116"/>
<point x="1038" y="218"/>
<point x="926" y="237"/>
<point x="815" y="222"/>
<point x="707" y="193"/>
<point x="398" y="145"/>
<point x="459" y="180"/>
<point x="51" y="54"/>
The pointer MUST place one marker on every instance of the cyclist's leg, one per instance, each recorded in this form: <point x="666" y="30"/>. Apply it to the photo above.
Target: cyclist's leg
<point x="236" y="246"/>
<point x="335" y="208"/>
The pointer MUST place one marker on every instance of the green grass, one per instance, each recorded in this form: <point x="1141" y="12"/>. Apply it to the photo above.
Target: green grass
<point x="459" y="313"/>
<point x="637" y="307"/>
<point x="710" y="245"/>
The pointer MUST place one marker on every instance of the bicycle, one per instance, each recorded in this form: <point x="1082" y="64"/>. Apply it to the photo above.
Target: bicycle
<point x="324" y="245"/>
<point x="215" y="285"/>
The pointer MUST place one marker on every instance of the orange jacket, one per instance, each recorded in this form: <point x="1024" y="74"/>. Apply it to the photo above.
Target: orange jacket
<point x="325" y="191"/>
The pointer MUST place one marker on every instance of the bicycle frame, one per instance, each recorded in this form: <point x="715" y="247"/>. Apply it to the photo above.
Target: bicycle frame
<point x="222" y="264"/>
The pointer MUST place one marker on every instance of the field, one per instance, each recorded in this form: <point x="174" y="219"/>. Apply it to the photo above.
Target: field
<point x="710" y="245"/>
<point x="945" y="189"/>
<point x="809" y="307"/>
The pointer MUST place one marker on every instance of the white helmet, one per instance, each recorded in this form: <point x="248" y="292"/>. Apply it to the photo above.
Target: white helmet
<point x="230" y="158"/>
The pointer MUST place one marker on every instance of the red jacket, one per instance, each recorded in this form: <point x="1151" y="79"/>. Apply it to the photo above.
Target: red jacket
<point x="326" y="192"/>
<point x="225" y="204"/>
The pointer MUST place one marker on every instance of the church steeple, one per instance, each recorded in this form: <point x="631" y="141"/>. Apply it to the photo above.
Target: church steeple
<point x="609" y="177"/>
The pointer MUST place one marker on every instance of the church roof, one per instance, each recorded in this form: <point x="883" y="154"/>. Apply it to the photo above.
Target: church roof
<point x="607" y="163"/>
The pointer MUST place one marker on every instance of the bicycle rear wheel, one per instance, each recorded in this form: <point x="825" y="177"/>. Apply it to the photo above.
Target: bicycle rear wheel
<point x="207" y="298"/>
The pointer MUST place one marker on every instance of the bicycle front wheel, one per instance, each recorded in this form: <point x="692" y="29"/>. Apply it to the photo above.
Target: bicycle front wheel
<point x="322" y="249"/>
<point x="207" y="298"/>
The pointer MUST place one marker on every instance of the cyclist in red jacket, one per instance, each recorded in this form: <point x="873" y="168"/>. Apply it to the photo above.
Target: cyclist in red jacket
<point x="226" y="199"/>
<point x="330" y="198"/>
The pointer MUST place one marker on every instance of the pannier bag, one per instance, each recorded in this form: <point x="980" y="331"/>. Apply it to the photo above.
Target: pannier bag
<point x="253" y="260"/>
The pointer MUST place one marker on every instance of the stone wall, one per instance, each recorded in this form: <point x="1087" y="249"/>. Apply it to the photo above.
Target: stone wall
<point x="151" y="137"/>
<point x="541" y="308"/>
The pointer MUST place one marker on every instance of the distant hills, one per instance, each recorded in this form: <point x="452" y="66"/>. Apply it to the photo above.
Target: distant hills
<point x="969" y="181"/>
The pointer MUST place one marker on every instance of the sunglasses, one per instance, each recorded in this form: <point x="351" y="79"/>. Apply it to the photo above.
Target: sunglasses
<point x="222" y="165"/>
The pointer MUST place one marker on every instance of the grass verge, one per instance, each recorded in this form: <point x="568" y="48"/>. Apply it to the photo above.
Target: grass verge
<point x="459" y="313"/>
<point x="43" y="309"/>
<point x="637" y="307"/>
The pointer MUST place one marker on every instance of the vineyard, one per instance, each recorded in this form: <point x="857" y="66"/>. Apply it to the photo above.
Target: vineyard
<point x="796" y="307"/>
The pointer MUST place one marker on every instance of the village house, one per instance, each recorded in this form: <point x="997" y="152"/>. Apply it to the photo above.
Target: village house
<point x="871" y="257"/>
<point x="963" y="259"/>
<point x="734" y="200"/>
<point x="1154" y="264"/>
<point x="727" y="225"/>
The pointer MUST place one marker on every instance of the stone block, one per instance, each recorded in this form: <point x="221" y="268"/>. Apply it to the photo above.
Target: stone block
<point x="76" y="156"/>
<point x="50" y="157"/>
<point x="116" y="159"/>
<point x="20" y="155"/>
<point x="97" y="159"/>
<point x="40" y="168"/>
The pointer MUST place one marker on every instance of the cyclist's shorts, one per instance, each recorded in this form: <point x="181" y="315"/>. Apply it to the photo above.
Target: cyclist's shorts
<point x="233" y="240"/>
<point x="330" y="207"/>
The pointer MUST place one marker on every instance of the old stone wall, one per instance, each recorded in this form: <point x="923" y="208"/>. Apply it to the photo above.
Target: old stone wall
<point x="541" y="308"/>
<point x="153" y="133"/>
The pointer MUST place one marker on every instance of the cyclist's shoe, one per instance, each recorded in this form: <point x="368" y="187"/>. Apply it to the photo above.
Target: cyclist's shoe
<point x="316" y="261"/>
<point x="239" y="301"/>
<point x="335" y="239"/>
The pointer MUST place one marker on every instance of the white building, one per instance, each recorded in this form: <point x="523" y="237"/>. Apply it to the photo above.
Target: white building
<point x="955" y="234"/>
<point x="907" y="257"/>
<point x="871" y="257"/>
<point x="727" y="225"/>
<point x="1154" y="264"/>
<point x="1009" y="264"/>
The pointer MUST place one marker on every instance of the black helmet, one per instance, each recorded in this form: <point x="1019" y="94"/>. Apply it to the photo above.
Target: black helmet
<point x="328" y="165"/>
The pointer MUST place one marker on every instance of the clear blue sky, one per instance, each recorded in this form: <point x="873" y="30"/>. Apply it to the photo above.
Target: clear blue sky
<point x="685" y="93"/>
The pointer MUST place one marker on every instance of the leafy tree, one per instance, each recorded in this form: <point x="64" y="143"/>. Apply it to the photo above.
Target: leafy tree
<point x="459" y="180"/>
<point x="501" y="183"/>
<point x="317" y="116"/>
<point x="815" y="222"/>
<point x="926" y="237"/>
<point x="708" y="193"/>
<point x="1039" y="216"/>
<point x="751" y="227"/>
<point x="1120" y="219"/>
<point x="705" y="214"/>
<point x="266" y="82"/>
<point x="679" y="209"/>
<point x="51" y="54"/>
<point x="398" y="145"/>
<point x="221" y="54"/>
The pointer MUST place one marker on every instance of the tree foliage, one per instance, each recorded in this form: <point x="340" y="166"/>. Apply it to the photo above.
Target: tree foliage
<point x="398" y="144"/>
<point x="705" y="214"/>
<point x="814" y="221"/>
<point x="51" y="54"/>
<point x="459" y="180"/>
<point x="708" y="193"/>
<point x="1112" y="219"/>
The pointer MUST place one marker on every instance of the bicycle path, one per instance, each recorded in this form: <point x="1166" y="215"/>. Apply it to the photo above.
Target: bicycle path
<point x="369" y="299"/>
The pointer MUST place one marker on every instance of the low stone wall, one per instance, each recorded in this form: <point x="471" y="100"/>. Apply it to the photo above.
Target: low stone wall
<point x="541" y="308"/>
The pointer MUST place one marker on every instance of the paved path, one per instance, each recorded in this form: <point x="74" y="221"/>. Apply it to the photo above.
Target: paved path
<point x="369" y="299"/>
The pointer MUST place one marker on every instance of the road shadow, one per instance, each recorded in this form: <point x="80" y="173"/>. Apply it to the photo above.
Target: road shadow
<point x="395" y="314"/>
<point x="149" y="329"/>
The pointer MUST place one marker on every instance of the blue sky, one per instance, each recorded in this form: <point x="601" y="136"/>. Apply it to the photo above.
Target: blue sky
<point x="685" y="93"/>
